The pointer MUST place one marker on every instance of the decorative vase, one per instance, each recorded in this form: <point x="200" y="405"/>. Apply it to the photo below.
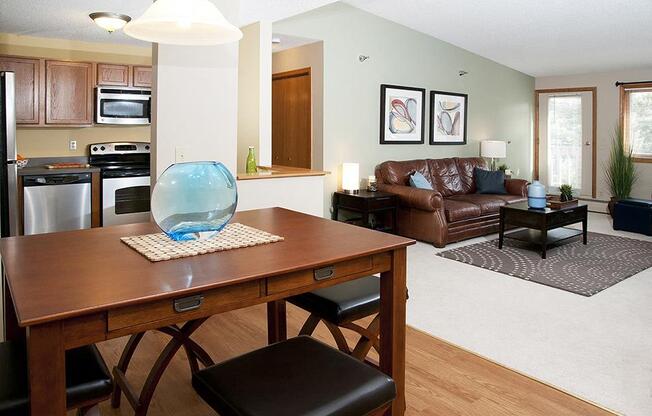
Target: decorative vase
<point x="194" y="200"/>
<point x="536" y="195"/>
<point x="252" y="166"/>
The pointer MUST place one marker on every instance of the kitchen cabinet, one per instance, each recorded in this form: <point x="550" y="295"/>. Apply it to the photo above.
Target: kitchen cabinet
<point x="28" y="107"/>
<point x="68" y="93"/>
<point x="143" y="76"/>
<point x="111" y="74"/>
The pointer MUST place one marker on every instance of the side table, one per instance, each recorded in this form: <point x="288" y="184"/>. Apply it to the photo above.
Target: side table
<point x="379" y="205"/>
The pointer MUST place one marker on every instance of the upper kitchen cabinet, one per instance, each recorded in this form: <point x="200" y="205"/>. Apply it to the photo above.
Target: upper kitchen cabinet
<point x="143" y="76"/>
<point x="111" y="74"/>
<point x="68" y="93"/>
<point x="27" y="87"/>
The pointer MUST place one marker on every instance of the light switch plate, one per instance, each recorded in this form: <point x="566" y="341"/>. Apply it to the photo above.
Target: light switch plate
<point x="180" y="154"/>
<point x="72" y="145"/>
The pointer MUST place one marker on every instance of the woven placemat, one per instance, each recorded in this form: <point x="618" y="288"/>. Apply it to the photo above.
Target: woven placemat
<point x="159" y="247"/>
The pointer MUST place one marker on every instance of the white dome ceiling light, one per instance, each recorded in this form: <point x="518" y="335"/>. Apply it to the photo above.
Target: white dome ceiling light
<point x="183" y="22"/>
<point x="110" y="21"/>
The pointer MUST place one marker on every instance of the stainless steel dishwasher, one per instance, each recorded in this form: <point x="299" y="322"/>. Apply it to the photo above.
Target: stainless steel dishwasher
<point x="57" y="202"/>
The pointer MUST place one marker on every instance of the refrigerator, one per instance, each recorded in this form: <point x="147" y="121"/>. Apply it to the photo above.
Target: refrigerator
<point x="8" y="173"/>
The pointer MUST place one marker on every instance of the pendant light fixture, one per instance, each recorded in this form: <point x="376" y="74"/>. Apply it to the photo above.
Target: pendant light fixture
<point x="110" y="21"/>
<point x="183" y="22"/>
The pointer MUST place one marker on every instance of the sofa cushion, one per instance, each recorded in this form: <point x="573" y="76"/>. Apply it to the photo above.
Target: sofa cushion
<point x="488" y="204"/>
<point x="417" y="180"/>
<point x="444" y="176"/>
<point x="511" y="199"/>
<point x="489" y="182"/>
<point x="465" y="166"/>
<point x="398" y="172"/>
<point x="457" y="210"/>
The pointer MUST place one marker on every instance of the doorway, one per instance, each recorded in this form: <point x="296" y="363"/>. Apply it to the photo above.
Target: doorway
<point x="565" y="139"/>
<point x="291" y="119"/>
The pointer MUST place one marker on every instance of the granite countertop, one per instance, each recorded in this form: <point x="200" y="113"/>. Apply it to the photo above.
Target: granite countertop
<point x="36" y="166"/>
<point x="42" y="170"/>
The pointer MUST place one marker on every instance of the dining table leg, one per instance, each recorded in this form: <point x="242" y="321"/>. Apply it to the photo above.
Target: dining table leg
<point x="46" y="359"/>
<point x="393" y="295"/>
<point x="276" y="321"/>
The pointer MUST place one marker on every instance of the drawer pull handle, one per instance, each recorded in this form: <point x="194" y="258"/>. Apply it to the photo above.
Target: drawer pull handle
<point x="384" y="198"/>
<point x="324" y="273"/>
<point x="188" y="304"/>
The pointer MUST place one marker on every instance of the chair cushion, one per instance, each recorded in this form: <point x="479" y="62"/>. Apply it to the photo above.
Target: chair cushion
<point x="457" y="210"/>
<point x="346" y="302"/>
<point x="511" y="199"/>
<point x="489" y="182"/>
<point x="417" y="180"/>
<point x="445" y="177"/>
<point x="465" y="166"/>
<point x="300" y="376"/>
<point x="87" y="378"/>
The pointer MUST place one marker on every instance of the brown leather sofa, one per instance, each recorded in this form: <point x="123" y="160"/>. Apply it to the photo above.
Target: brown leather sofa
<point x="452" y="211"/>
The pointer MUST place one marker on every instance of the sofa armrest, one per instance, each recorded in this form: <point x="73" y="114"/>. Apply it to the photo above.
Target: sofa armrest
<point x="516" y="186"/>
<point x="423" y="199"/>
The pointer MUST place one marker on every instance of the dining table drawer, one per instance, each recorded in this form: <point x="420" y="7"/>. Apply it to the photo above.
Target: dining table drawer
<point x="182" y="308"/>
<point x="290" y="281"/>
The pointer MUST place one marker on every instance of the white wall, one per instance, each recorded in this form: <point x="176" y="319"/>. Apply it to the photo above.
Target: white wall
<point x="304" y="194"/>
<point x="255" y="94"/>
<point x="501" y="101"/>
<point x="308" y="56"/>
<point x="194" y="102"/>
<point x="608" y="117"/>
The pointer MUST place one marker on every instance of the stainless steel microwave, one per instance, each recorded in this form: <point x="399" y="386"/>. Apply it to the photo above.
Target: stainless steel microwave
<point x="123" y="105"/>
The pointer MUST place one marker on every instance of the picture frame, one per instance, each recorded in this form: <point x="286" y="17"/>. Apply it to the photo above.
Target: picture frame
<point x="402" y="114"/>
<point x="448" y="118"/>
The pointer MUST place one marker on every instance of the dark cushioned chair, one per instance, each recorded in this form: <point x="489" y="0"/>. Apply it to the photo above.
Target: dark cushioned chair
<point x="340" y="305"/>
<point x="88" y="381"/>
<point x="300" y="376"/>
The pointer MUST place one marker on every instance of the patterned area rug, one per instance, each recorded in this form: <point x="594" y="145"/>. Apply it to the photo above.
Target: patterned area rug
<point x="574" y="267"/>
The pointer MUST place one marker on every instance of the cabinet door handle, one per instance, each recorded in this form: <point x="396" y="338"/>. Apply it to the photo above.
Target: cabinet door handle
<point x="188" y="304"/>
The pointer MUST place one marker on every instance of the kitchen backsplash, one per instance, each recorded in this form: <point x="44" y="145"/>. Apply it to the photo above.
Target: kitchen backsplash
<point x="54" y="142"/>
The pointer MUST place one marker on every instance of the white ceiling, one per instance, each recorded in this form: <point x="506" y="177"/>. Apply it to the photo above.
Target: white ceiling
<point x="68" y="19"/>
<point x="538" y="37"/>
<point x="551" y="37"/>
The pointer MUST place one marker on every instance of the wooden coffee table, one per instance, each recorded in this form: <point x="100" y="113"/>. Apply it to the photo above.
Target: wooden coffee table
<point x="543" y="226"/>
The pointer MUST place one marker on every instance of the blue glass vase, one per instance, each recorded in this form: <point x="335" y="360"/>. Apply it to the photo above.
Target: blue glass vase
<point x="194" y="200"/>
<point x="536" y="195"/>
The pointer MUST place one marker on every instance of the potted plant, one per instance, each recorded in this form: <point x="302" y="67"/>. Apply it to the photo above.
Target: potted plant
<point x="620" y="170"/>
<point x="566" y="193"/>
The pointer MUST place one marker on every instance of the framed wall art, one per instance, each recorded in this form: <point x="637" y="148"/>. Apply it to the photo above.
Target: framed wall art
<point x="402" y="114"/>
<point x="448" y="117"/>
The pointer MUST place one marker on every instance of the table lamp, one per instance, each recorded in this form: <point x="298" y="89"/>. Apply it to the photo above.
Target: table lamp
<point x="493" y="149"/>
<point x="351" y="177"/>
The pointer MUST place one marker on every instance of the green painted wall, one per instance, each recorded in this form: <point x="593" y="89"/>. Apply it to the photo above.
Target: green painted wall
<point x="501" y="101"/>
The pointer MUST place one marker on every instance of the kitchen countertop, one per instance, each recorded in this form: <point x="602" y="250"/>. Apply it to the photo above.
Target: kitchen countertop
<point x="276" y="171"/>
<point x="42" y="170"/>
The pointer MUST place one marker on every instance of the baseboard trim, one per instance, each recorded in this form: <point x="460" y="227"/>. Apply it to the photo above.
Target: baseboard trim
<point x="606" y="409"/>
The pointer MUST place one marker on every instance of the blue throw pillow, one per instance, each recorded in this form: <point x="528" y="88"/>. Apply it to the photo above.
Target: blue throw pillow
<point x="489" y="182"/>
<point x="417" y="180"/>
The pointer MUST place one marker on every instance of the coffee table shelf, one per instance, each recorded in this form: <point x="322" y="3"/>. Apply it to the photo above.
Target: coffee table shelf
<point x="552" y="237"/>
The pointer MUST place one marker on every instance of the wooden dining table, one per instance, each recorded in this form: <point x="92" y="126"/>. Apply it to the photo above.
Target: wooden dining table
<point x="69" y="289"/>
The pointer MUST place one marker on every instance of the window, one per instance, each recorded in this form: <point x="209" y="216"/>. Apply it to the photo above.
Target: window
<point x="636" y="113"/>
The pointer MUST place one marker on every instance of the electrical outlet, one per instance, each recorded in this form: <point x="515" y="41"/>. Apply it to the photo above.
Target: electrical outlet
<point x="72" y="145"/>
<point x="180" y="154"/>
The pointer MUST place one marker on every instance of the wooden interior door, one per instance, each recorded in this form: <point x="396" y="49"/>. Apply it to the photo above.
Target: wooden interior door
<point x="291" y="119"/>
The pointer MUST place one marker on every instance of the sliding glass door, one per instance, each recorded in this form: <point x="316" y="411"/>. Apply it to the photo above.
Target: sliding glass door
<point x="566" y="141"/>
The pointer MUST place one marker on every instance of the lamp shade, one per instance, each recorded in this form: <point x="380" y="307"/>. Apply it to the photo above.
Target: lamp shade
<point x="350" y="177"/>
<point x="493" y="148"/>
<point x="183" y="22"/>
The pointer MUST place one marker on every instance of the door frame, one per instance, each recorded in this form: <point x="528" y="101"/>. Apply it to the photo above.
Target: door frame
<point x="291" y="74"/>
<point x="594" y="128"/>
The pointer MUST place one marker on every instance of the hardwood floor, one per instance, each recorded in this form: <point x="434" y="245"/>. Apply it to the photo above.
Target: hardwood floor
<point x="441" y="378"/>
